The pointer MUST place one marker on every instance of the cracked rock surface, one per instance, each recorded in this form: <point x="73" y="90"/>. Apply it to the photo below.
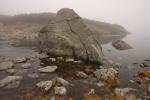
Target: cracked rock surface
<point x="67" y="35"/>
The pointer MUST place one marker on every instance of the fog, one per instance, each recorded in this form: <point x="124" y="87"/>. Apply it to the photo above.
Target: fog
<point x="132" y="14"/>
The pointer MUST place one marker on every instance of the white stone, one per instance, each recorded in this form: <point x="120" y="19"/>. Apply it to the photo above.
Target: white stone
<point x="60" y="91"/>
<point x="48" y="69"/>
<point x="62" y="81"/>
<point x="46" y="85"/>
<point x="6" y="65"/>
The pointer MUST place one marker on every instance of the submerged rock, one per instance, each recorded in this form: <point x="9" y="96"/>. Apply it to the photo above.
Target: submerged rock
<point x="6" y="65"/>
<point x="123" y="91"/>
<point x="48" y="69"/>
<point x="81" y="74"/>
<point x="121" y="45"/>
<point x="26" y="65"/>
<point x="67" y="35"/>
<point x="62" y="81"/>
<point x="60" y="91"/>
<point x="20" y="59"/>
<point x="10" y="80"/>
<point x="45" y="85"/>
<point x="11" y="71"/>
<point x="146" y="63"/>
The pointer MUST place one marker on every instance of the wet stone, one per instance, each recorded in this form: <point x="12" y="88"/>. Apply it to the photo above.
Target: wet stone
<point x="10" y="81"/>
<point x="45" y="85"/>
<point x="60" y="91"/>
<point x="11" y="71"/>
<point x="48" y="69"/>
<point x="81" y="74"/>
<point x="20" y="59"/>
<point x="6" y="65"/>
<point x="62" y="81"/>
<point x="26" y="65"/>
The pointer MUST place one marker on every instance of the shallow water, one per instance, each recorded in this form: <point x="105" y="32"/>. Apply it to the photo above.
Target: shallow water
<point x="140" y="52"/>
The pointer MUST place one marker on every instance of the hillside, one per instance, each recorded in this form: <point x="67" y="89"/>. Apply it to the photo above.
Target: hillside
<point x="29" y="24"/>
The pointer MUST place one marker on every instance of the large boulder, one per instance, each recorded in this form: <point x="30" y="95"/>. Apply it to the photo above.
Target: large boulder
<point x="67" y="35"/>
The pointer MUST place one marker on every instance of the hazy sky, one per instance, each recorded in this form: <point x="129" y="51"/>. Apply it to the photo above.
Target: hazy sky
<point x="124" y="12"/>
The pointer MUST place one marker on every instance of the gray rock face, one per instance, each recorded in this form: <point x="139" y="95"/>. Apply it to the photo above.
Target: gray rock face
<point x="67" y="35"/>
<point x="121" y="45"/>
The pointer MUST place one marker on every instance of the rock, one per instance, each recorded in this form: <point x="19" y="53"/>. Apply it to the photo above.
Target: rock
<point x="77" y="62"/>
<point x="148" y="88"/>
<point x="62" y="81"/>
<point x="60" y="58"/>
<point x="123" y="91"/>
<point x="45" y="85"/>
<point x="48" y="69"/>
<point x="14" y="84"/>
<point x="69" y="60"/>
<point x="146" y="64"/>
<point x="9" y="80"/>
<point x="33" y="75"/>
<point x="60" y="91"/>
<point x="21" y="71"/>
<point x="6" y="65"/>
<point x="20" y="59"/>
<point x="42" y="56"/>
<point x="121" y="45"/>
<point x="105" y="73"/>
<point x="26" y="65"/>
<point x="91" y="95"/>
<point x="11" y="71"/>
<point x="52" y="59"/>
<point x="100" y="84"/>
<point x="67" y="35"/>
<point x="131" y="81"/>
<point x="81" y="74"/>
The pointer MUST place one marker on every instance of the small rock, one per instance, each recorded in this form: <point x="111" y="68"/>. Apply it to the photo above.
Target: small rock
<point x="100" y="84"/>
<point x="33" y="75"/>
<point x="11" y="71"/>
<point x="6" y="65"/>
<point x="69" y="60"/>
<point x="8" y="80"/>
<point x="77" y="62"/>
<point x="105" y="73"/>
<point x="131" y="81"/>
<point x="20" y="59"/>
<point x="21" y="71"/>
<point x="42" y="56"/>
<point x="48" y="69"/>
<point x="121" y="45"/>
<point x="146" y="64"/>
<point x="123" y="91"/>
<point x="62" y="81"/>
<point x="60" y="91"/>
<point x="81" y="74"/>
<point x="149" y="88"/>
<point x="60" y="58"/>
<point x="45" y="85"/>
<point x="52" y="59"/>
<point x="26" y="65"/>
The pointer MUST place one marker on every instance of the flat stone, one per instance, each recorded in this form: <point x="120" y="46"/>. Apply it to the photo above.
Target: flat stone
<point x="45" y="85"/>
<point x="146" y="64"/>
<point x="6" y="65"/>
<point x="60" y="91"/>
<point x="69" y="60"/>
<point x="62" y="81"/>
<point x="9" y="80"/>
<point x="48" y="69"/>
<point x="20" y="59"/>
<point x="26" y="65"/>
<point x="11" y="71"/>
<point x="123" y="91"/>
<point x="43" y="55"/>
<point x="81" y="74"/>
<point x="52" y="59"/>
<point x="33" y="75"/>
